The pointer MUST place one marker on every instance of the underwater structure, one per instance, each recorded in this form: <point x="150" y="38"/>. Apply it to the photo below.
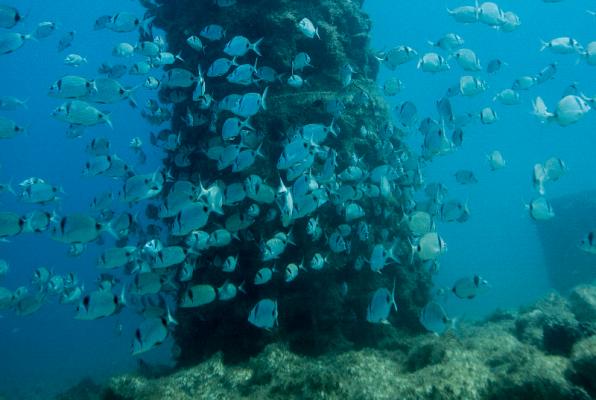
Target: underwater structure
<point x="321" y="310"/>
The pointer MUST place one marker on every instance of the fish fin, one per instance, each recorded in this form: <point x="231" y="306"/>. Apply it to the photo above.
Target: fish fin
<point x="169" y="318"/>
<point x="263" y="97"/>
<point x="255" y="47"/>
<point x="540" y="110"/>
<point x="241" y="287"/>
<point x="543" y="45"/>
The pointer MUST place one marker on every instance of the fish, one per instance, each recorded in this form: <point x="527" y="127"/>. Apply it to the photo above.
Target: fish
<point x="66" y="40"/>
<point x="44" y="29"/>
<point x="539" y="177"/>
<point x="126" y="22"/>
<point x="434" y="318"/>
<point x="508" y="97"/>
<point x="197" y="295"/>
<point x="562" y="45"/>
<point x="238" y="46"/>
<point x="429" y="247"/>
<point x="78" y="228"/>
<point x="213" y="32"/>
<point x="470" y="287"/>
<point x="150" y="334"/>
<point x="467" y="59"/>
<point x="540" y="209"/>
<point x="587" y="243"/>
<point x="75" y="60"/>
<point x="471" y="85"/>
<point x="465" y="177"/>
<point x="569" y="110"/>
<point x="308" y="29"/>
<point x="72" y="87"/>
<point x="263" y="276"/>
<point x="9" y="129"/>
<point x="449" y="42"/>
<point x="9" y="16"/>
<point x="495" y="160"/>
<point x="99" y="304"/>
<point x="392" y="86"/>
<point x="433" y="63"/>
<point x="494" y="66"/>
<point x="78" y="112"/>
<point x="12" y="41"/>
<point x="464" y="14"/>
<point x="264" y="314"/>
<point x="11" y="103"/>
<point x="380" y="306"/>
<point x="490" y="14"/>
<point x="4" y="268"/>
<point x="555" y="168"/>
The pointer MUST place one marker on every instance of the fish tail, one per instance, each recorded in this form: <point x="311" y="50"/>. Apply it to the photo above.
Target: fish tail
<point x="540" y="110"/>
<point x="255" y="47"/>
<point x="263" y="97"/>
<point x="317" y="32"/>
<point x="543" y="45"/>
<point x="108" y="120"/>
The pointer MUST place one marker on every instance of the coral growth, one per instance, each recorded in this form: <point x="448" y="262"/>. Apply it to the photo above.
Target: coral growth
<point x="316" y="314"/>
<point x="501" y="358"/>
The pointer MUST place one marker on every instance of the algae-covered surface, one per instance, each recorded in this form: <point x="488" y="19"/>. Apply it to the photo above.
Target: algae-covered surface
<point x="507" y="356"/>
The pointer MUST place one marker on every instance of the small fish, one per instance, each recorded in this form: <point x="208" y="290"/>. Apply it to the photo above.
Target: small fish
<point x="75" y="60"/>
<point x="9" y="129"/>
<point x="495" y="160"/>
<point x="12" y="41"/>
<point x="213" y="32"/>
<point x="264" y="314"/>
<point x="380" y="306"/>
<point x="77" y="228"/>
<point x="263" y="276"/>
<point x="197" y="295"/>
<point x="9" y="16"/>
<point x="467" y="59"/>
<point x="123" y="49"/>
<point x="468" y="288"/>
<point x="569" y="110"/>
<point x="238" y="46"/>
<point x="588" y="243"/>
<point x="307" y="28"/>
<point x="465" y="177"/>
<point x="99" y="304"/>
<point x="433" y="63"/>
<point x="10" y="103"/>
<point x="555" y="168"/>
<point x="434" y="318"/>
<point x="494" y="66"/>
<point x="4" y="268"/>
<point x="66" y="41"/>
<point x="449" y="42"/>
<point x="430" y="247"/>
<point x="195" y="43"/>
<point x="540" y="209"/>
<point x="488" y="116"/>
<point x="507" y="97"/>
<point x="150" y="334"/>
<point x="562" y="45"/>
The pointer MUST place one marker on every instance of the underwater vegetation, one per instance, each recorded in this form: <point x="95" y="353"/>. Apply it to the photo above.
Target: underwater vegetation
<point x="543" y="351"/>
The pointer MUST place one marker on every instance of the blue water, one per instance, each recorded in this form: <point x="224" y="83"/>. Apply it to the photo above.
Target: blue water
<point x="49" y="350"/>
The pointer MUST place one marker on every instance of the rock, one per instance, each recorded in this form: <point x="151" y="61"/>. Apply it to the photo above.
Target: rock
<point x="583" y="365"/>
<point x="549" y="325"/>
<point x="583" y="303"/>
